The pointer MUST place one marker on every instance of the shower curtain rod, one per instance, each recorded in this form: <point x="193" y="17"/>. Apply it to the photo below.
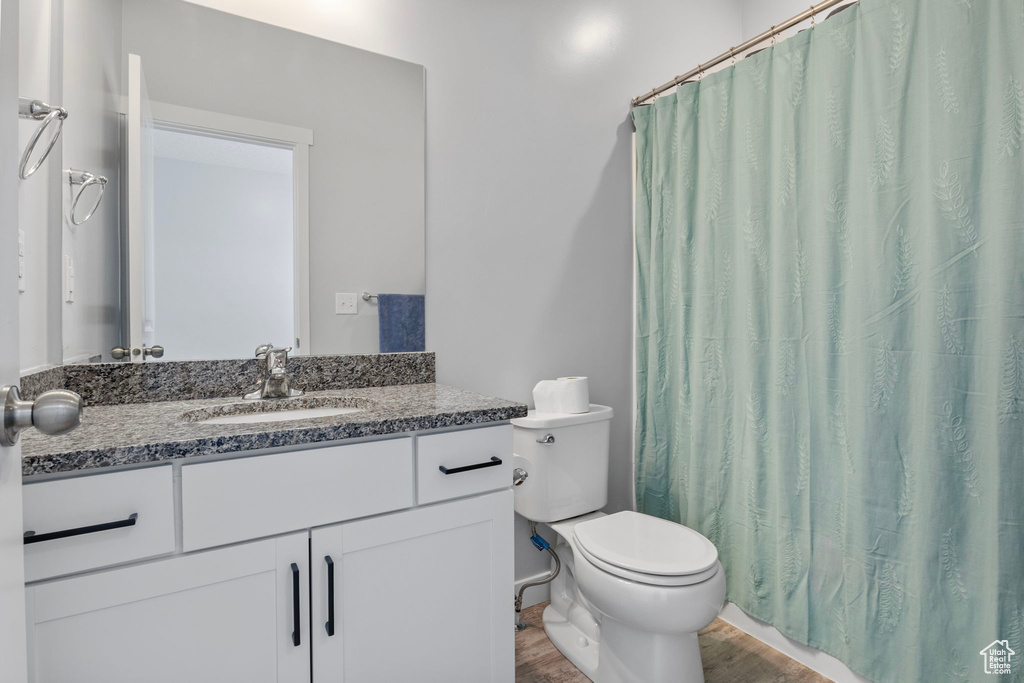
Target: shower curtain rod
<point x="739" y="49"/>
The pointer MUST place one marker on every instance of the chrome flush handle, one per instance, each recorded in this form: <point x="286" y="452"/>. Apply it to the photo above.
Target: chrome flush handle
<point x="55" y="412"/>
<point x="519" y="475"/>
<point x="550" y="438"/>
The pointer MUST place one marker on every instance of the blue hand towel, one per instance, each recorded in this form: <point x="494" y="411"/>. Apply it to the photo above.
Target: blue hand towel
<point x="402" y="325"/>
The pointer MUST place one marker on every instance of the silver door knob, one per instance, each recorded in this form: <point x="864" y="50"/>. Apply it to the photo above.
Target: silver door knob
<point x="55" y="412"/>
<point x="155" y="351"/>
<point x="119" y="352"/>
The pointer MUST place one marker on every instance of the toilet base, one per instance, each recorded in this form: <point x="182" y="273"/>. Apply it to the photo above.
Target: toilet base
<point x="578" y="648"/>
<point x="608" y="651"/>
<point x="631" y="656"/>
<point x="654" y="659"/>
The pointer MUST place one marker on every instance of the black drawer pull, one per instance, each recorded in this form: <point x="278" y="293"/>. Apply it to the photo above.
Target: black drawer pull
<point x="296" y="637"/>
<point x="330" y="596"/>
<point x="33" y="537"/>
<point x="494" y="462"/>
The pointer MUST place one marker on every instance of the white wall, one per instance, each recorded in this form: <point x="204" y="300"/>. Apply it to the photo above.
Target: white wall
<point x="86" y="81"/>
<point x="529" y="208"/>
<point x="91" y="141"/>
<point x="761" y="15"/>
<point x="39" y="196"/>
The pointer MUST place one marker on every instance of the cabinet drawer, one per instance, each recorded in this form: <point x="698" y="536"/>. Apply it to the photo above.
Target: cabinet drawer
<point x="90" y="506"/>
<point x="458" y="453"/>
<point x="236" y="500"/>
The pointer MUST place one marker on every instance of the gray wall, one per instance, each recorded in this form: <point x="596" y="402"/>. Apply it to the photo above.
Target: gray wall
<point x="39" y="196"/>
<point x="367" y="162"/>
<point x="529" y="206"/>
<point x="760" y="15"/>
<point x="84" y="77"/>
<point x="91" y="142"/>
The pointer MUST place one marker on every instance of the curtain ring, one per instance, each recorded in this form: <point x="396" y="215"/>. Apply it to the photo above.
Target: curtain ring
<point x="700" y="72"/>
<point x="773" y="36"/>
<point x="733" y="51"/>
<point x="814" y="16"/>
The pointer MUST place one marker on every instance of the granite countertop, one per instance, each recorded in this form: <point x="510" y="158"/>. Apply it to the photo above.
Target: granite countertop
<point x="139" y="433"/>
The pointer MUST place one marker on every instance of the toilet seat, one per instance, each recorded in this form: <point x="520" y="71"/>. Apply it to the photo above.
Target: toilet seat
<point x="646" y="549"/>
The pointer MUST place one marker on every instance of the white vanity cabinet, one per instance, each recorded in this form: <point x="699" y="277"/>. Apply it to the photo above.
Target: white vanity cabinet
<point x="411" y="596"/>
<point x="235" y="614"/>
<point x="386" y="560"/>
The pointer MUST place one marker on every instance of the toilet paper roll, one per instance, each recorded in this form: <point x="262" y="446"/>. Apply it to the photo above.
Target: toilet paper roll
<point x="575" y="394"/>
<point x="562" y="395"/>
<point x="547" y="396"/>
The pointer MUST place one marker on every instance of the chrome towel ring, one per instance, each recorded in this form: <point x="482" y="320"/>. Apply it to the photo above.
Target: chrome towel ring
<point x="84" y="179"/>
<point x="40" y="111"/>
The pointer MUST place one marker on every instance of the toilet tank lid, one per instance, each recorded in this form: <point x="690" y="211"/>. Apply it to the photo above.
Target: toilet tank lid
<point x="535" y="420"/>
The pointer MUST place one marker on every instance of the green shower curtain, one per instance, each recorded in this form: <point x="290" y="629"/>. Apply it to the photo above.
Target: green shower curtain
<point x="830" y="331"/>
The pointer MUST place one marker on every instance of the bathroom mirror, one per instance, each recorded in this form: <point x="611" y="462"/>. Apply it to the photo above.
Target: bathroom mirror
<point x="266" y="170"/>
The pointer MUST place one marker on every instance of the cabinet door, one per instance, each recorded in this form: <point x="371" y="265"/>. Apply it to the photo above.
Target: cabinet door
<point x="424" y="595"/>
<point x="222" y="615"/>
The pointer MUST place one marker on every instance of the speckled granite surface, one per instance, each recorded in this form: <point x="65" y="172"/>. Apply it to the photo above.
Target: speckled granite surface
<point x="38" y="382"/>
<point x="138" y="433"/>
<point x="155" y="381"/>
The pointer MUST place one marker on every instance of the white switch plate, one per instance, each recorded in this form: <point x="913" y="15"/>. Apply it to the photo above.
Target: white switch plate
<point x="69" y="279"/>
<point x="345" y="304"/>
<point x="21" y="260"/>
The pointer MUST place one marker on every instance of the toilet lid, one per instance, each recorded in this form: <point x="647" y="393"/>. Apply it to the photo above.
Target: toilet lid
<point x="645" y="544"/>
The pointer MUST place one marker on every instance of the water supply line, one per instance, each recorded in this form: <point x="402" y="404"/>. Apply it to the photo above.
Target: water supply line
<point x="540" y="544"/>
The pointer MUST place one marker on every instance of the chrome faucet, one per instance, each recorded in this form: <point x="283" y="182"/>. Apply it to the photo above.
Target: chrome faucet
<point x="275" y="374"/>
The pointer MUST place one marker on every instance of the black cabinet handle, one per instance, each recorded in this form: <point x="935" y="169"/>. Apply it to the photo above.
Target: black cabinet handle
<point x="330" y="596"/>
<point x="494" y="462"/>
<point x="296" y="638"/>
<point x="33" y="537"/>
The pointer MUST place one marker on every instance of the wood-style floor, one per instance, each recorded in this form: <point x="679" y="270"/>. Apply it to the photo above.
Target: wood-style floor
<point x="729" y="656"/>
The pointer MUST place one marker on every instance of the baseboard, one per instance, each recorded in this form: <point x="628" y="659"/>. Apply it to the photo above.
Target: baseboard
<point x="534" y="595"/>
<point x="825" y="664"/>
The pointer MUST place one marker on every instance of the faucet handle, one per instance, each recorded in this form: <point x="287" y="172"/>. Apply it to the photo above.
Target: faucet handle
<point x="263" y="349"/>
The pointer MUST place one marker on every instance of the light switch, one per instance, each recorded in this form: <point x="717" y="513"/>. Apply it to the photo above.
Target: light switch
<point x="69" y="279"/>
<point x="21" y="260"/>
<point x="345" y="304"/>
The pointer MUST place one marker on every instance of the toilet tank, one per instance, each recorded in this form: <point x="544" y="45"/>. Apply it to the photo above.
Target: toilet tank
<point x="566" y="458"/>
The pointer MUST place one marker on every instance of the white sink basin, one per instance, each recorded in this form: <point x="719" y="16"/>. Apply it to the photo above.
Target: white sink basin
<point x="277" y="410"/>
<point x="278" y="416"/>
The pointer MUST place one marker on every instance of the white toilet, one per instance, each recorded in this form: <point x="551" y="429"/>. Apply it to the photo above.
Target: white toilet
<point x="634" y="589"/>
